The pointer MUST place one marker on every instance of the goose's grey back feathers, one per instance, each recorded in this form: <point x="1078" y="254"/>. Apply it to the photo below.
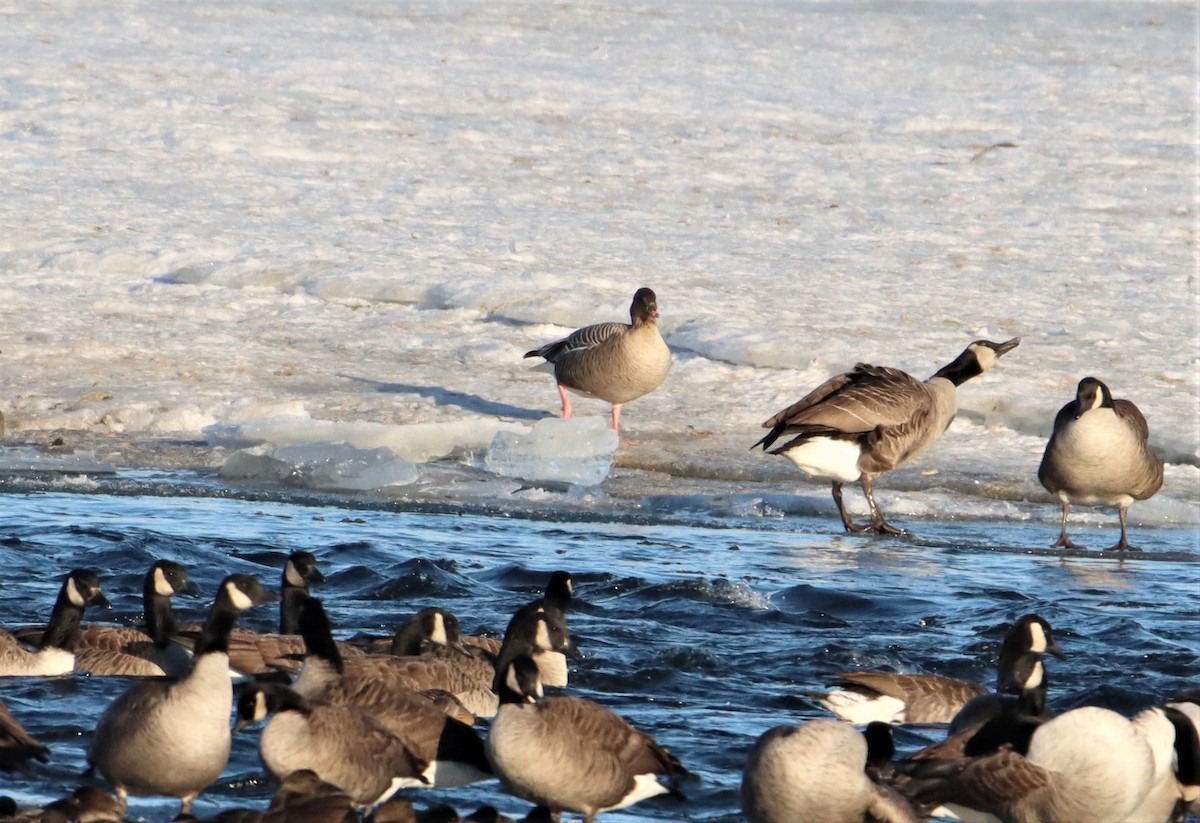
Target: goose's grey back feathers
<point x="816" y="773"/>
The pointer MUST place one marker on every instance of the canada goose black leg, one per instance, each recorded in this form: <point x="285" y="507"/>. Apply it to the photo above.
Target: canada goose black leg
<point x="851" y="527"/>
<point x="878" y="524"/>
<point x="1065" y="542"/>
<point x="1122" y="545"/>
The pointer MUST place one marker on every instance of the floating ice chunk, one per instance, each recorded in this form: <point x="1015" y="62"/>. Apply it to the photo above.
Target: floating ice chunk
<point x="578" y="451"/>
<point x="322" y="466"/>
<point x="418" y="443"/>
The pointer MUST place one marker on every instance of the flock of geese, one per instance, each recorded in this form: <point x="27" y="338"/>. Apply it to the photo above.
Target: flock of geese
<point x="350" y="723"/>
<point x="868" y="421"/>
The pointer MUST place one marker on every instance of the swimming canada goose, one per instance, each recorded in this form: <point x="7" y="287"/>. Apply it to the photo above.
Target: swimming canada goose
<point x="339" y="743"/>
<point x="1087" y="764"/>
<point x="817" y="773"/>
<point x="56" y="650"/>
<point x="890" y="697"/>
<point x="611" y="361"/>
<point x="568" y="753"/>
<point x="123" y="651"/>
<point x="1098" y="454"/>
<point x="452" y="752"/>
<point x="17" y="748"/>
<point x="868" y="421"/>
<point x="172" y="737"/>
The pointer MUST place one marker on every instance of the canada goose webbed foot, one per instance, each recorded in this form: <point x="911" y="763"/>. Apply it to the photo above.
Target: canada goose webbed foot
<point x="1122" y="545"/>
<point x="1065" y="542"/>
<point x="883" y="527"/>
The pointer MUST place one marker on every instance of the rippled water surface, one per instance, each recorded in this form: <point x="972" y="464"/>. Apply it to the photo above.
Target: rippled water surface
<point x="702" y="636"/>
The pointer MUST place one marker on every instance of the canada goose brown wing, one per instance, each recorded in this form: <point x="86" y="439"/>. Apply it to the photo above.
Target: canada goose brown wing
<point x="994" y="783"/>
<point x="858" y="401"/>
<point x="1132" y="415"/>
<point x="110" y="638"/>
<point x="491" y="645"/>
<point x="100" y="662"/>
<point x="471" y="686"/>
<point x="607" y="731"/>
<point x="928" y="698"/>
<point x="17" y="748"/>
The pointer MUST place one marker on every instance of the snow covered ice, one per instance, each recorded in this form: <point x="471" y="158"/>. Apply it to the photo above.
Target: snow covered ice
<point x="363" y="215"/>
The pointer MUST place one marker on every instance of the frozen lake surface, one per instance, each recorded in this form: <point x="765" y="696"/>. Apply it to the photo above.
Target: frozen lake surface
<point x="267" y="274"/>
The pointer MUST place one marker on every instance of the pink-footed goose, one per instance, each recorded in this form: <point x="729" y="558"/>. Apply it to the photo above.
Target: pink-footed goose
<point x="615" y="362"/>
<point x="868" y="421"/>
<point x="1098" y="454"/>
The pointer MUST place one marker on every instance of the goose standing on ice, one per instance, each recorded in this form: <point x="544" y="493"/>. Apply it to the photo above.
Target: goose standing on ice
<point x="1098" y="454"/>
<point x="868" y="421"/>
<point x="611" y="361"/>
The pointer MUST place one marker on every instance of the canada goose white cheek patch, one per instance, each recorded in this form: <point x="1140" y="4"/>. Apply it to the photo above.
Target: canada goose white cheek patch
<point x="162" y="586"/>
<point x="238" y="598"/>
<point x="73" y="594"/>
<point x="1037" y="638"/>
<point x="293" y="576"/>
<point x="1035" y="677"/>
<point x="438" y="635"/>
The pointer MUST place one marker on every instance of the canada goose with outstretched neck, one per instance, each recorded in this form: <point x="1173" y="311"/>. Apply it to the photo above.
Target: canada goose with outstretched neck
<point x="568" y="753"/>
<point x="615" y="362"/>
<point x="17" y="747"/>
<point x="452" y="753"/>
<point x="891" y="697"/>
<point x="123" y="651"/>
<point x="341" y="744"/>
<point x="817" y="773"/>
<point x="868" y="421"/>
<point x="56" y="650"/>
<point x="172" y="738"/>
<point x="1088" y="764"/>
<point x="1098" y="453"/>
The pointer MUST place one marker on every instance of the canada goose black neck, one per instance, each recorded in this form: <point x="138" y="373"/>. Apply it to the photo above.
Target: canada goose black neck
<point x="1187" y="747"/>
<point x="237" y="593"/>
<point x="164" y="580"/>
<point x="975" y="360"/>
<point x="299" y="571"/>
<point x="317" y="634"/>
<point x="80" y="588"/>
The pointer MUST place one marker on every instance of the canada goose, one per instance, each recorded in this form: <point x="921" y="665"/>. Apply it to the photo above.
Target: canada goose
<point x="611" y="361"/>
<point x="17" y="748"/>
<point x="817" y="773"/>
<point x="452" y="752"/>
<point x="56" y="651"/>
<point x="1172" y="734"/>
<point x="868" y="421"/>
<point x="570" y="754"/>
<point x="341" y="744"/>
<point x="257" y="653"/>
<point x="1087" y="764"/>
<point x="469" y="678"/>
<point x="172" y="737"/>
<point x="123" y="651"/>
<point x="891" y="697"/>
<point x="1098" y="454"/>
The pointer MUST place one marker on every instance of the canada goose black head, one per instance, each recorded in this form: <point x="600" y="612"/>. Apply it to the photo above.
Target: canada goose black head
<point x="542" y="629"/>
<point x="1187" y="747"/>
<point x="560" y="590"/>
<point x="431" y="625"/>
<point x="167" y="578"/>
<point x="975" y="360"/>
<point x="80" y="588"/>
<point x="517" y="681"/>
<point x="1091" y="394"/>
<point x="301" y="570"/>
<point x="1030" y="633"/>
<point x="257" y="700"/>
<point x="644" y="308"/>
<point x="236" y="593"/>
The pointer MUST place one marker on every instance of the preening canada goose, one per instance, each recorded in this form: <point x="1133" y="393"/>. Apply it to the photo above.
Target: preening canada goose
<point x="570" y="754"/>
<point x="56" y="651"/>
<point x="868" y="421"/>
<point x="817" y="773"/>
<point x="17" y="748"/>
<point x="452" y="752"/>
<point x="1087" y="764"/>
<point x="611" y="361"/>
<point x="889" y="697"/>
<point x="172" y="737"/>
<point x="339" y="743"/>
<point x="1172" y="732"/>
<point x="123" y="651"/>
<point x="1098" y="453"/>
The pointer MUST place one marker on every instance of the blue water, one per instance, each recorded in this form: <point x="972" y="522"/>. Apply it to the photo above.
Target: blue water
<point x="703" y="636"/>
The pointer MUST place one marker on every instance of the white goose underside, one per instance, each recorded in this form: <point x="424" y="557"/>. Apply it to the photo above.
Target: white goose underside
<point x="861" y="709"/>
<point x="826" y="457"/>
<point x="644" y="785"/>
